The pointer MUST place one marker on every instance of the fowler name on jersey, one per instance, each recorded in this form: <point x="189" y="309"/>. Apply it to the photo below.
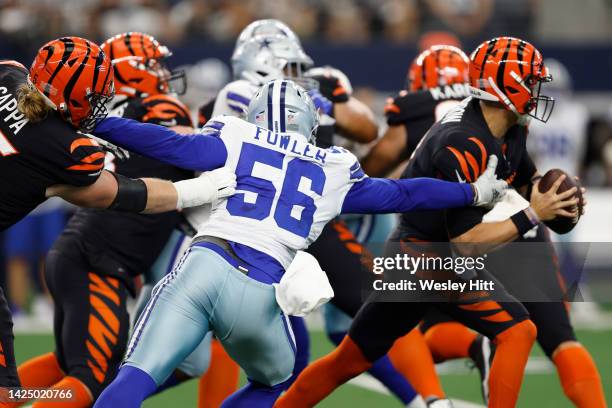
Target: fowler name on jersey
<point x="298" y="147"/>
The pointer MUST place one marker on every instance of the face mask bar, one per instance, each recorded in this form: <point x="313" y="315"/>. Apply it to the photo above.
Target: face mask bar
<point x="540" y="107"/>
<point x="98" y="111"/>
<point x="294" y="71"/>
<point x="177" y="82"/>
<point x="170" y="81"/>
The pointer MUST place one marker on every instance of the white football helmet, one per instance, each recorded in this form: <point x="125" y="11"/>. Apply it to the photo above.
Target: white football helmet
<point x="262" y="59"/>
<point x="284" y="106"/>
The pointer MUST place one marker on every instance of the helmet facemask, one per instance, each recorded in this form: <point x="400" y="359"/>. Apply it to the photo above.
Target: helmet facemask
<point x="98" y="110"/>
<point x="295" y="71"/>
<point x="540" y="106"/>
<point x="169" y="81"/>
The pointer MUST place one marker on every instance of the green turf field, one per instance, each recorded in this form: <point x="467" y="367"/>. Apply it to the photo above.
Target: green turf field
<point x="541" y="387"/>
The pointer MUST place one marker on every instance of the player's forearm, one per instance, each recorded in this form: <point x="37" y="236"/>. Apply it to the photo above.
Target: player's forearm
<point x="374" y="195"/>
<point x="161" y="196"/>
<point x="387" y="153"/>
<point x="486" y="237"/>
<point x="193" y="152"/>
<point x="355" y="121"/>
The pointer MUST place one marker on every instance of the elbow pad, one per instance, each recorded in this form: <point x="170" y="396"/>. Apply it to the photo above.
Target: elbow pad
<point x="131" y="195"/>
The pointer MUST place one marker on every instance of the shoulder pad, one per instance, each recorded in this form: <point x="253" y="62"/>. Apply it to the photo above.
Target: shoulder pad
<point x="236" y="97"/>
<point x="165" y="110"/>
<point x="13" y="63"/>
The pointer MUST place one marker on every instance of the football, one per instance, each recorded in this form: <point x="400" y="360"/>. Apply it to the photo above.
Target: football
<point x="561" y="225"/>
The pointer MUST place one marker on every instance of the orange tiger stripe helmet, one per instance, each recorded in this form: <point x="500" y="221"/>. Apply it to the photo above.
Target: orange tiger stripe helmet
<point x="139" y="62"/>
<point x="76" y="78"/>
<point x="511" y="71"/>
<point x="438" y="65"/>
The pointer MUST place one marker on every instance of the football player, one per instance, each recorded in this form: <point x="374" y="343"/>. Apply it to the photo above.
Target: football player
<point x="44" y="152"/>
<point x="556" y="145"/>
<point x="106" y="250"/>
<point x="268" y="49"/>
<point x="233" y="295"/>
<point x="437" y="80"/>
<point x="505" y="77"/>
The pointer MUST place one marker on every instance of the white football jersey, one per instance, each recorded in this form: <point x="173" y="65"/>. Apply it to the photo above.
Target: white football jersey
<point x="232" y="100"/>
<point x="287" y="188"/>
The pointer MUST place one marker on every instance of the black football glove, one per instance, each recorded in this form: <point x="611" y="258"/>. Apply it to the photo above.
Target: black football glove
<point x="331" y="88"/>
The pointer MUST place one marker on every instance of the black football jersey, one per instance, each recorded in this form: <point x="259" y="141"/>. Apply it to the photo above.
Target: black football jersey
<point x="418" y="111"/>
<point x="119" y="242"/>
<point x="35" y="156"/>
<point x="456" y="149"/>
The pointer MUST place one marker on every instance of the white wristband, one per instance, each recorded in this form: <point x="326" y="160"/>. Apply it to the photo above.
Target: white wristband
<point x="194" y="192"/>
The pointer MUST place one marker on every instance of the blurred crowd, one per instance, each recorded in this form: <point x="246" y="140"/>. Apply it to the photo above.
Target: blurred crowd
<point x="398" y="21"/>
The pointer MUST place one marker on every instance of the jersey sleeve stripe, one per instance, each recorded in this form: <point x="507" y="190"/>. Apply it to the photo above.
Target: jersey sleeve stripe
<point x="238" y="98"/>
<point x="86" y="167"/>
<point x="236" y="108"/>
<point x="168" y="100"/>
<point x="473" y="164"/>
<point x="483" y="153"/>
<point x="215" y="124"/>
<point x="462" y="162"/>
<point x="93" y="157"/>
<point x="82" y="141"/>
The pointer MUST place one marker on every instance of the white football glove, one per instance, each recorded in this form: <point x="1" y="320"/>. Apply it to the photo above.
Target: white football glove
<point x="210" y="186"/>
<point x="488" y="188"/>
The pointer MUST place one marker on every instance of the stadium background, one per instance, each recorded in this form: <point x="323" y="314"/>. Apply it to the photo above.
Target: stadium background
<point x="373" y="42"/>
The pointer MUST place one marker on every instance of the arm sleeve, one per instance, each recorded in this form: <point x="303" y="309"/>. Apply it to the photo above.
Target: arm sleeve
<point x="375" y="195"/>
<point x="192" y="152"/>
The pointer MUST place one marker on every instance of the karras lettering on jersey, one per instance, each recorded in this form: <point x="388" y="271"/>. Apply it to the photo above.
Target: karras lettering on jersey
<point x="455" y="91"/>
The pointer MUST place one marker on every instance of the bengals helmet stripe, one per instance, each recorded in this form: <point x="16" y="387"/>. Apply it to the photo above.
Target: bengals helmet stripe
<point x="139" y="65"/>
<point x="79" y="71"/>
<point x="66" y="71"/>
<point x="439" y="65"/>
<point x="68" y="48"/>
<point x="510" y="71"/>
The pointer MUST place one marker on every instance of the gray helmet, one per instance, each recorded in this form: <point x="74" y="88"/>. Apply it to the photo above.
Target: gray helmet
<point x="265" y="28"/>
<point x="284" y="106"/>
<point x="262" y="59"/>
